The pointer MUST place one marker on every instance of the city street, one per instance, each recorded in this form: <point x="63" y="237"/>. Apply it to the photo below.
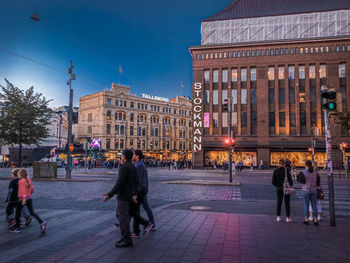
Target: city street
<point x="80" y="225"/>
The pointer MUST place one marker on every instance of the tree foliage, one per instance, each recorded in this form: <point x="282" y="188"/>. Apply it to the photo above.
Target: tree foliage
<point x="343" y="118"/>
<point x="24" y="116"/>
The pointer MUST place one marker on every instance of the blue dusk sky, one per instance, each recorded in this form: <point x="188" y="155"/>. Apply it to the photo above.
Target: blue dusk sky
<point x="148" y="39"/>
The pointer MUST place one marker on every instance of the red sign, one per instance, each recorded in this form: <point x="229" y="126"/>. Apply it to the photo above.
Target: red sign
<point x="71" y="147"/>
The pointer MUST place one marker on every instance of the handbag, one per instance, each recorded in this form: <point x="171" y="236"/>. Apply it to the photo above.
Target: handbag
<point x="320" y="194"/>
<point x="287" y="189"/>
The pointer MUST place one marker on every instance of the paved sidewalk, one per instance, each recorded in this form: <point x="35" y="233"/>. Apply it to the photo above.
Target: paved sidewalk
<point x="183" y="236"/>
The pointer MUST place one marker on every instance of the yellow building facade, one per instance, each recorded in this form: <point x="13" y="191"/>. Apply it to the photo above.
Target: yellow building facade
<point x="121" y="120"/>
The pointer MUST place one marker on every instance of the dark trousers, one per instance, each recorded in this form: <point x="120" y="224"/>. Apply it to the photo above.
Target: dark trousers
<point x="280" y="197"/>
<point x="10" y="207"/>
<point x="136" y="214"/>
<point x="144" y="202"/>
<point x="124" y="220"/>
<point x="29" y="204"/>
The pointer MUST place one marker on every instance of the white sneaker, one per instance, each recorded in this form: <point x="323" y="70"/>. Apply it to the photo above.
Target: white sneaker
<point x="311" y="218"/>
<point x="278" y="219"/>
<point x="319" y="219"/>
<point x="289" y="220"/>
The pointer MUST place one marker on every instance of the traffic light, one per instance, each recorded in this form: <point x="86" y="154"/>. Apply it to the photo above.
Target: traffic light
<point x="329" y="97"/>
<point x="230" y="142"/>
<point x="309" y="149"/>
<point x="343" y="146"/>
<point x="225" y="105"/>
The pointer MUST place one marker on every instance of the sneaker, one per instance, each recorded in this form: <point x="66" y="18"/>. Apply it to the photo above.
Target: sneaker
<point x="154" y="228"/>
<point x="43" y="227"/>
<point x="278" y="219"/>
<point x="319" y="219"/>
<point x="15" y="230"/>
<point x="306" y="222"/>
<point x="316" y="224"/>
<point x="289" y="220"/>
<point x="311" y="218"/>
<point x="28" y="220"/>
<point x="135" y="235"/>
<point x="148" y="228"/>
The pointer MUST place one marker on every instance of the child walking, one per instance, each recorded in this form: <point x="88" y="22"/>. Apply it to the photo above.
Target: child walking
<point x="12" y="199"/>
<point x="25" y="191"/>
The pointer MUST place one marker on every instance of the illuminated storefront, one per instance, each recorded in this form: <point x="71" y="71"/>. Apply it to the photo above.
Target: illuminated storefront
<point x="222" y="156"/>
<point x="298" y="158"/>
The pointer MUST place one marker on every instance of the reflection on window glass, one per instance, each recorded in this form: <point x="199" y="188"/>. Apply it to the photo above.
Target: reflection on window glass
<point x="312" y="72"/>
<point x="271" y="73"/>
<point x="281" y="73"/>
<point x="206" y="76"/>
<point x="234" y="75"/>
<point x="342" y="70"/>
<point x="301" y="72"/>
<point x="224" y="75"/>
<point x="206" y="97"/>
<point x="243" y="96"/>
<point x="224" y="95"/>
<point x="253" y="96"/>
<point x="215" y="76"/>
<point x="243" y="74"/>
<point x="253" y="74"/>
<point x="234" y="96"/>
<point x="215" y="119"/>
<point x="291" y="72"/>
<point x="244" y="119"/>
<point x="215" y="97"/>
<point x="323" y="71"/>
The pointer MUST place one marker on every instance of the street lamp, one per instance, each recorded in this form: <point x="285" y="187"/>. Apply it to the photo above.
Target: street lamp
<point x="35" y="17"/>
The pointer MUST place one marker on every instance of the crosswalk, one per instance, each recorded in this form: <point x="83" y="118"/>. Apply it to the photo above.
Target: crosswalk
<point x="341" y="201"/>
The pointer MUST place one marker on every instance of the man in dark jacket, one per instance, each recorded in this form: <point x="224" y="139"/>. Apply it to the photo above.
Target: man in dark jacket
<point x="142" y="191"/>
<point x="278" y="178"/>
<point x="125" y="189"/>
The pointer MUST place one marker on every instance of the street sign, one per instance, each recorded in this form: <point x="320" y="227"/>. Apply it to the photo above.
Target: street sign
<point x="71" y="147"/>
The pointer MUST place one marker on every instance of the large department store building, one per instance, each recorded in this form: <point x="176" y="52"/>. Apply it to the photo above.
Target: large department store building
<point x="121" y="120"/>
<point x="271" y="57"/>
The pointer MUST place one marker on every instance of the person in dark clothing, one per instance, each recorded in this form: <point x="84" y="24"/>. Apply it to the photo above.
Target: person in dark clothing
<point x="142" y="191"/>
<point x="125" y="189"/>
<point x="278" y="178"/>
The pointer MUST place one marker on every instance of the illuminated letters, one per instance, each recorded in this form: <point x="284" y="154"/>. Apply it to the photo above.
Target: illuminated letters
<point x="197" y="119"/>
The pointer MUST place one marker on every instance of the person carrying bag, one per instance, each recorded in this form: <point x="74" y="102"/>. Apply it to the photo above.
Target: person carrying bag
<point x="282" y="180"/>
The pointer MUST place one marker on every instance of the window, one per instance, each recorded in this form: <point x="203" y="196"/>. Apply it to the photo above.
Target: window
<point x="281" y="73"/>
<point x="253" y="53"/>
<point x="282" y="119"/>
<point x="215" y="97"/>
<point x="291" y="72"/>
<point x="131" y="116"/>
<point x="121" y="144"/>
<point x="215" y="76"/>
<point x="233" y="54"/>
<point x="253" y="96"/>
<point x="116" y="129"/>
<point x="276" y="51"/>
<point x="108" y="129"/>
<point x="120" y="116"/>
<point x="292" y="95"/>
<point x="271" y="52"/>
<point x="131" y="130"/>
<point x="272" y="119"/>
<point x="271" y="96"/>
<point x="257" y="52"/>
<point x="243" y="96"/>
<point x="122" y="129"/>
<point x="206" y="76"/>
<point x="224" y="75"/>
<point x="342" y="70"/>
<point x="206" y="98"/>
<point x="301" y="72"/>
<point x="282" y="51"/>
<point x="116" y="102"/>
<point x="322" y="71"/>
<point x="243" y="74"/>
<point x="109" y="101"/>
<point x="281" y="95"/>
<point x="271" y="73"/>
<point x="90" y="117"/>
<point x="312" y="72"/>
<point x="244" y="119"/>
<point x="224" y="96"/>
<point x="126" y="104"/>
<point x="291" y="51"/>
<point x="215" y="119"/>
<point x="292" y="119"/>
<point x="238" y="54"/>
<point x="286" y="51"/>
<point x="109" y="115"/>
<point x="243" y="53"/>
<point x="108" y="144"/>
<point x="253" y="74"/>
<point x="234" y="75"/>
<point x="116" y="145"/>
<point x="89" y="129"/>
<point x="234" y="96"/>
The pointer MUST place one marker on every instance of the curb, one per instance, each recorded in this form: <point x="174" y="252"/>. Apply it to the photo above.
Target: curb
<point x="204" y="182"/>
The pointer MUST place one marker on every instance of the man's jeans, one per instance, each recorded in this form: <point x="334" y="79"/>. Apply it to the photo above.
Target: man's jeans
<point x="144" y="202"/>
<point x="310" y="197"/>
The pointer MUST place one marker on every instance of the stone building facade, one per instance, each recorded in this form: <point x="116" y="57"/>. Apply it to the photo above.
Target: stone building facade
<point x="159" y="127"/>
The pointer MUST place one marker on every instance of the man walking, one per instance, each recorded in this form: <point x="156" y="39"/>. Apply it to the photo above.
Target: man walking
<point x="142" y="176"/>
<point x="125" y="189"/>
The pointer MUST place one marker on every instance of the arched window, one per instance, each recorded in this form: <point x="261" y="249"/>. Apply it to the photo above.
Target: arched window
<point x="124" y="116"/>
<point x="120" y="116"/>
<point x="116" y="116"/>
<point x="122" y="129"/>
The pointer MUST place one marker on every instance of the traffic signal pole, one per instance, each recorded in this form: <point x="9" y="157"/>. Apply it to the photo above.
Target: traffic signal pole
<point x="329" y="167"/>
<point x="229" y="128"/>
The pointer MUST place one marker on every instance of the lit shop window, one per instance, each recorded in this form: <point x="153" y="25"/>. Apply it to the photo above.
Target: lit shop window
<point x="281" y="73"/>
<point x="271" y="73"/>
<point x="312" y="72"/>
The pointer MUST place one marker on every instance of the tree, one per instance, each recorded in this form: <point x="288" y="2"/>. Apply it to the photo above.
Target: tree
<point x="24" y="117"/>
<point x="344" y="119"/>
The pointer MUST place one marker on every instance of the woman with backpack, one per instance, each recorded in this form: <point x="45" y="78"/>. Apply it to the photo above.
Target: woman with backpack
<point x="310" y="180"/>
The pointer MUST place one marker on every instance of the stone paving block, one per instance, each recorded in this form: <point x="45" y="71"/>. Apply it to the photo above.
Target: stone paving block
<point x="191" y="256"/>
